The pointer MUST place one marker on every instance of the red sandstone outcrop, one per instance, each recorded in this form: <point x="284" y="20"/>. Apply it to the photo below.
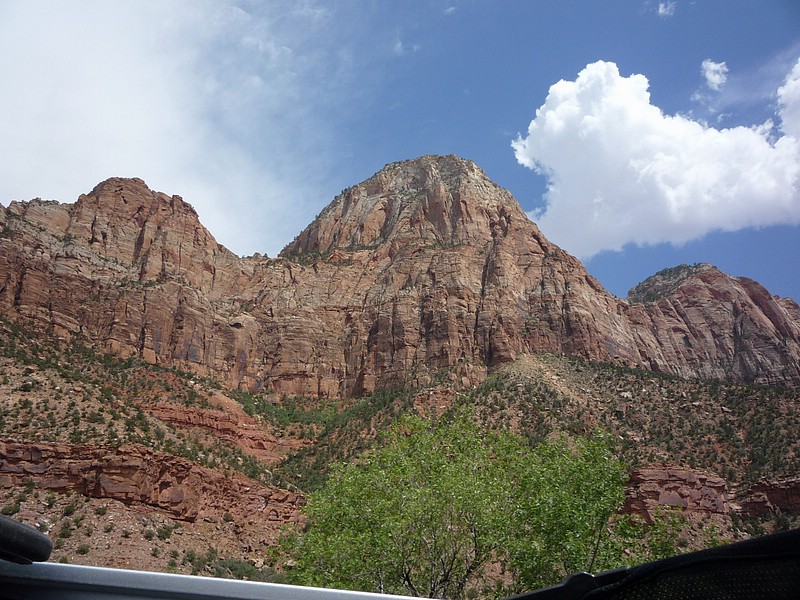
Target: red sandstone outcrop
<point x="692" y="491"/>
<point x="426" y="265"/>
<point x="770" y="497"/>
<point x="696" y="492"/>
<point x="715" y="326"/>
<point x="137" y="475"/>
<point x="239" y="430"/>
<point x="184" y="490"/>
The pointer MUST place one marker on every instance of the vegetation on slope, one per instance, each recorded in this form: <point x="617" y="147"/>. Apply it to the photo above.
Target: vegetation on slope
<point x="663" y="283"/>
<point x="740" y="432"/>
<point x="52" y="390"/>
<point x="55" y="391"/>
<point x="441" y="502"/>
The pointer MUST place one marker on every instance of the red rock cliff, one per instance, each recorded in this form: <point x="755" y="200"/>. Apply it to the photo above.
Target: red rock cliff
<point x="426" y="265"/>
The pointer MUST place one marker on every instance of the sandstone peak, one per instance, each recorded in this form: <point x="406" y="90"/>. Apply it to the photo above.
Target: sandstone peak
<point x="433" y="199"/>
<point x="666" y="281"/>
<point x="124" y="198"/>
<point x="135" y="185"/>
<point x="425" y="266"/>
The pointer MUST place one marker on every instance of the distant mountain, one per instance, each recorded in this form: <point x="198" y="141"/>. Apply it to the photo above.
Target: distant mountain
<point x="426" y="266"/>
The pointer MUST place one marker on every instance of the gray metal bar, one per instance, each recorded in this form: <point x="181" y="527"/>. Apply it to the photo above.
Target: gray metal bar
<point x="66" y="582"/>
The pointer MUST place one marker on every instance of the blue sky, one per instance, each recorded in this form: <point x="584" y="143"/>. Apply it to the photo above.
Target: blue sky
<point x="639" y="134"/>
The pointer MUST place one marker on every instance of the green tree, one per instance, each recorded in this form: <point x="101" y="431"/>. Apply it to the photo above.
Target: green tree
<point x="418" y="517"/>
<point x="567" y="491"/>
<point x="425" y="514"/>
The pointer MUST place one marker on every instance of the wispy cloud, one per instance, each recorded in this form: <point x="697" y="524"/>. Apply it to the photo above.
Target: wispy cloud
<point x="621" y="171"/>
<point x="401" y="48"/>
<point x="715" y="73"/>
<point x="231" y="104"/>
<point x="666" y="9"/>
<point x="749" y="90"/>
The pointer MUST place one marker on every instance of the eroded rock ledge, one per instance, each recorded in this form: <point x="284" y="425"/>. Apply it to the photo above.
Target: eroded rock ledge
<point x="692" y="491"/>
<point x="137" y="475"/>
<point x="696" y="492"/>
<point x="184" y="490"/>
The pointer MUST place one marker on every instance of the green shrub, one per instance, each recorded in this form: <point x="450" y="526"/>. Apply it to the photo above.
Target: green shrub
<point x="10" y="509"/>
<point x="69" y="509"/>
<point x="164" y="531"/>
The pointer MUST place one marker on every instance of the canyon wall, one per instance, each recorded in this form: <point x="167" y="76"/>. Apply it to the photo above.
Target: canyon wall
<point x="427" y="265"/>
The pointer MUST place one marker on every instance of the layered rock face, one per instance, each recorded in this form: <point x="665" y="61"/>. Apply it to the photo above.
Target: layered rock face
<point x="229" y="425"/>
<point x="765" y="497"/>
<point x="137" y="475"/>
<point x="186" y="491"/>
<point x="692" y="491"/>
<point x="428" y="265"/>
<point x="697" y="493"/>
<point x="714" y="326"/>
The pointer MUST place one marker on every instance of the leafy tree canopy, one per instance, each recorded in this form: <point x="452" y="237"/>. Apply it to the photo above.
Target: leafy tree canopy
<point x="427" y="513"/>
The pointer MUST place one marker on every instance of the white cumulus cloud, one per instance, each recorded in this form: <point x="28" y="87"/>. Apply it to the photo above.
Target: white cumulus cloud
<point x="621" y="171"/>
<point x="715" y="73"/>
<point x="789" y="102"/>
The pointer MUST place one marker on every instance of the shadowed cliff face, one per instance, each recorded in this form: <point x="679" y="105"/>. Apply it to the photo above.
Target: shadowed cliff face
<point x="428" y="265"/>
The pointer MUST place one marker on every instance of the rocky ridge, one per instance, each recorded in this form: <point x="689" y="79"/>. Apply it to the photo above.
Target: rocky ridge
<point x="663" y="283"/>
<point x="134" y="474"/>
<point x="427" y="265"/>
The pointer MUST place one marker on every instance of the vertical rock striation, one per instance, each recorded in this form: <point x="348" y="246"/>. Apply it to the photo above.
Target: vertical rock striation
<point x="427" y="265"/>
